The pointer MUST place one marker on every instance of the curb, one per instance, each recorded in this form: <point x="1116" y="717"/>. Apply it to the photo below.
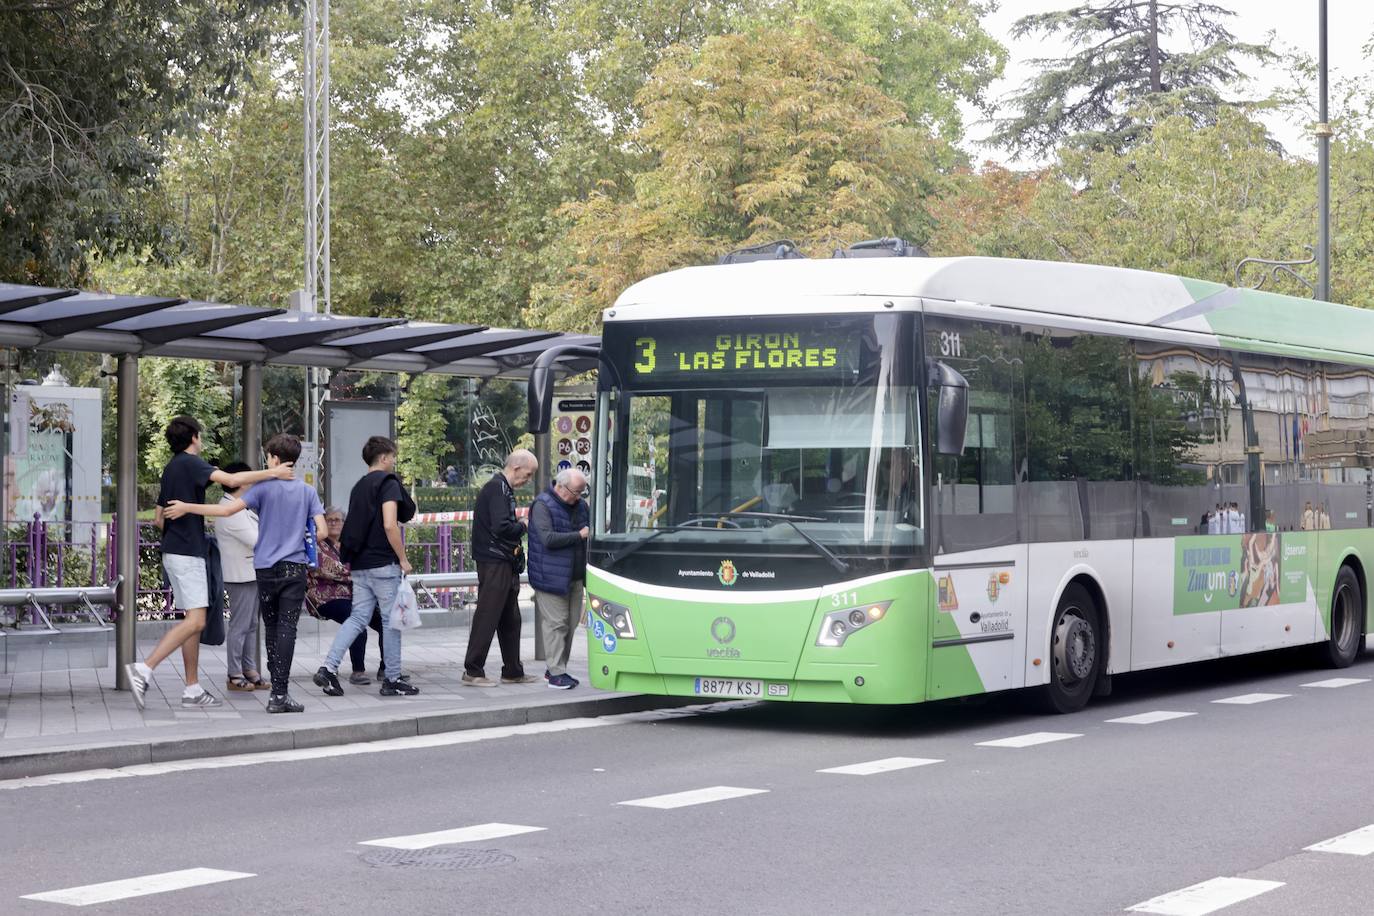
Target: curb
<point x="130" y="752"/>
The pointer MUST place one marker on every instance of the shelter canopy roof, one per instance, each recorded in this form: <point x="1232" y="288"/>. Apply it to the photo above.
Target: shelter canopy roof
<point x="65" y="319"/>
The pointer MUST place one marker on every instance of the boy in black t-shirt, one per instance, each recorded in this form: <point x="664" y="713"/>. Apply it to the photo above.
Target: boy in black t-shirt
<point x="372" y="546"/>
<point x="184" y="549"/>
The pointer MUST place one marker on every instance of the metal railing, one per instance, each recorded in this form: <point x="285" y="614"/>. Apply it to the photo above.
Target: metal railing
<point x="37" y="554"/>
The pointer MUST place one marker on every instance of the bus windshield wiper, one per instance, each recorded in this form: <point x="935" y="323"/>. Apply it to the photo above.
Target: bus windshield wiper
<point x="835" y="561"/>
<point x="616" y="558"/>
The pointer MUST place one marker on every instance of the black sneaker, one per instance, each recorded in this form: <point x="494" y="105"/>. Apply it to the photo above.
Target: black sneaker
<point x="381" y="675"/>
<point x="329" y="681"/>
<point x="398" y="688"/>
<point x="282" y="702"/>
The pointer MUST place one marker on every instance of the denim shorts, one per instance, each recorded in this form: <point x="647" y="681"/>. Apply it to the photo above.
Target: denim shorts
<point x="187" y="575"/>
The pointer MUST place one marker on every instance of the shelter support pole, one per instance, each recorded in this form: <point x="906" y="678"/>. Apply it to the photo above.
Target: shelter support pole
<point x="251" y="386"/>
<point x="126" y="509"/>
<point x="543" y="450"/>
<point x="252" y="413"/>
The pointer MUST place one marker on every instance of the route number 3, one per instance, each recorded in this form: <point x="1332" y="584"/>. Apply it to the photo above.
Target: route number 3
<point x="950" y="344"/>
<point x="647" y="358"/>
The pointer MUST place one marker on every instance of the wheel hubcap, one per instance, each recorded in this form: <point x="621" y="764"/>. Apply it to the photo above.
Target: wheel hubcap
<point x="1075" y="647"/>
<point x="1342" y="620"/>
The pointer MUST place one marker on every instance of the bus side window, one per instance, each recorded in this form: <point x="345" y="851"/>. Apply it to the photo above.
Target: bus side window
<point x="1184" y="410"/>
<point x="974" y="494"/>
<point x="1080" y="480"/>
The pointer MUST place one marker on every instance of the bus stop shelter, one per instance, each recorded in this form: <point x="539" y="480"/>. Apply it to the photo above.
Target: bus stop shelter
<point x="130" y="327"/>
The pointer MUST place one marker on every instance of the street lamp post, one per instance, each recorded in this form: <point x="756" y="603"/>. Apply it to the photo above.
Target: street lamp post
<point x="1323" y="131"/>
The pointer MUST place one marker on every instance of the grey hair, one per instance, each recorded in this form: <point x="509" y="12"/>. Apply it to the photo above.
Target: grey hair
<point x="335" y="510"/>
<point x="565" y="475"/>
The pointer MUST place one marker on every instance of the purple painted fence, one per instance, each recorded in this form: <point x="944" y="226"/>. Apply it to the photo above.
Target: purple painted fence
<point x="39" y="554"/>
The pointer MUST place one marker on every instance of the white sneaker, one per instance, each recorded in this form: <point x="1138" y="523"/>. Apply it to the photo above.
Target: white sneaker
<point x="202" y="700"/>
<point x="138" y="684"/>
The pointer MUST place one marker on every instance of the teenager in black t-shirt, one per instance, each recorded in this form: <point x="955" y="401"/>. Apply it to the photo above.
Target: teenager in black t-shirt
<point x="371" y="543"/>
<point x="183" y="558"/>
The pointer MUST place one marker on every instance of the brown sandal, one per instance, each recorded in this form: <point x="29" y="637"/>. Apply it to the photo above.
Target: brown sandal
<point x="258" y="683"/>
<point x="240" y="683"/>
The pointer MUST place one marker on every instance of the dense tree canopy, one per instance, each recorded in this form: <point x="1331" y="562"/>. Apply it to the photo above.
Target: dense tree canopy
<point x="1121" y="61"/>
<point x="89" y="93"/>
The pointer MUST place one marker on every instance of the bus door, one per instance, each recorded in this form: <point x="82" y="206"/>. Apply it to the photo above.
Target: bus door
<point x="978" y="611"/>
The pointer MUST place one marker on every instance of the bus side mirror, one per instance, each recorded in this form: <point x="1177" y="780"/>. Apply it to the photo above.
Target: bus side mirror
<point x="951" y="409"/>
<point x="539" y="391"/>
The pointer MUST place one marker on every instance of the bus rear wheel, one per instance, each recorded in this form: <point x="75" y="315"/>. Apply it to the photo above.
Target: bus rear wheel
<point x="1347" y="617"/>
<point x="1076" y="649"/>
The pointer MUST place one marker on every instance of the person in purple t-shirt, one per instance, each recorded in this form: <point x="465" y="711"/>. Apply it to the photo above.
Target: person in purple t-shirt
<point x="284" y="508"/>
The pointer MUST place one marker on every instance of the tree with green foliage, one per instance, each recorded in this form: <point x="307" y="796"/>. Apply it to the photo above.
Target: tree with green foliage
<point x="1093" y="97"/>
<point x="171" y="387"/>
<point x="931" y="54"/>
<point x="755" y="137"/>
<point x="421" y="428"/>
<point x="89" y="94"/>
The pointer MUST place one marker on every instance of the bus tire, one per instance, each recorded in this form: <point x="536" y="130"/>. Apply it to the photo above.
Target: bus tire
<point x="1076" y="652"/>
<point x="1342" y="647"/>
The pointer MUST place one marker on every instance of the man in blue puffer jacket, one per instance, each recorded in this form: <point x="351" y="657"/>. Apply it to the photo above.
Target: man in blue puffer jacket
<point x="558" y="568"/>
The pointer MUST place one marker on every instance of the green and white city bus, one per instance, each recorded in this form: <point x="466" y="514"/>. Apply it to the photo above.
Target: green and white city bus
<point x="890" y="480"/>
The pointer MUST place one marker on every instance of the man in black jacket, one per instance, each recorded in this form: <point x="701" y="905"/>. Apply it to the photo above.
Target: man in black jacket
<point x="496" y="536"/>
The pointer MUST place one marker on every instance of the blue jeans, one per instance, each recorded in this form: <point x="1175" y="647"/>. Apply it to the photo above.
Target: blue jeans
<point x="373" y="589"/>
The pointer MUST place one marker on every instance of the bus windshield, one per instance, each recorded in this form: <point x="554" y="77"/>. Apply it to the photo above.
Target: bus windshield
<point x="793" y="430"/>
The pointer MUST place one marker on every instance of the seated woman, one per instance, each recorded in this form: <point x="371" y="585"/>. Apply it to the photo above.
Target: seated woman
<point x="329" y="594"/>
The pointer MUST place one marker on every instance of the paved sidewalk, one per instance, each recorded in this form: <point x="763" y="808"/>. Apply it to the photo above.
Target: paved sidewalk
<point x="60" y="721"/>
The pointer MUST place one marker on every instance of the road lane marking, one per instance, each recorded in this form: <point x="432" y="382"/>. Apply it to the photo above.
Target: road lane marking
<point x="1150" y="718"/>
<point x="1355" y="843"/>
<point x="1247" y="699"/>
<point x="1029" y="740"/>
<point x="693" y="797"/>
<point x="886" y="765"/>
<point x="447" y="837"/>
<point x="1334" y="682"/>
<point x="1207" y="897"/>
<point x="442" y="739"/>
<point x="138" y="887"/>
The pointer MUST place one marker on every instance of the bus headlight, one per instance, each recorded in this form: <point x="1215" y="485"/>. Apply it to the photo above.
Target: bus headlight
<point x="837" y="626"/>
<point x="616" y="616"/>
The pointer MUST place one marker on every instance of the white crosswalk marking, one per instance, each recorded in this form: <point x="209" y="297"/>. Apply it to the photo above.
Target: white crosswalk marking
<point x="1355" y="843"/>
<point x="456" y="835"/>
<point x="1339" y="682"/>
<point x="886" y="765"/>
<point x="1029" y="740"/>
<point x="1150" y="718"/>
<point x="1246" y="699"/>
<point x="693" y="797"/>
<point x="1207" y="897"/>
<point x="138" y="887"/>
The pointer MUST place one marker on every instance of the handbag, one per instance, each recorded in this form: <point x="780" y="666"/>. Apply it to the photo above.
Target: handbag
<point x="312" y="549"/>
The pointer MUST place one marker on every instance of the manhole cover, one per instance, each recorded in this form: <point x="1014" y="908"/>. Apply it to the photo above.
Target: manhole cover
<point x="446" y="859"/>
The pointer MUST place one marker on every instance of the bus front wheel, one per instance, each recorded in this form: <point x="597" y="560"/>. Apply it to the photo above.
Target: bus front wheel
<point x="1076" y="649"/>
<point x="1347" y="615"/>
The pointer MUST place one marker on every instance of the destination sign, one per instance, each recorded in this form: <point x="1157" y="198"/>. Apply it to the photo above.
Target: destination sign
<point x="795" y="353"/>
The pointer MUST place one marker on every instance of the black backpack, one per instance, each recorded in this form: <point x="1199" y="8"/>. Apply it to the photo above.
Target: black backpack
<point x="365" y="512"/>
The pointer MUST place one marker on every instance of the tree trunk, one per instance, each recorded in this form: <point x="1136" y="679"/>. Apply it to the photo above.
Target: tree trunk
<point x="1156" y="85"/>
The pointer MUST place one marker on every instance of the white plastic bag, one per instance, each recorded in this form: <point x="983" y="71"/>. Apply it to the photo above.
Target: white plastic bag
<point x="405" y="613"/>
